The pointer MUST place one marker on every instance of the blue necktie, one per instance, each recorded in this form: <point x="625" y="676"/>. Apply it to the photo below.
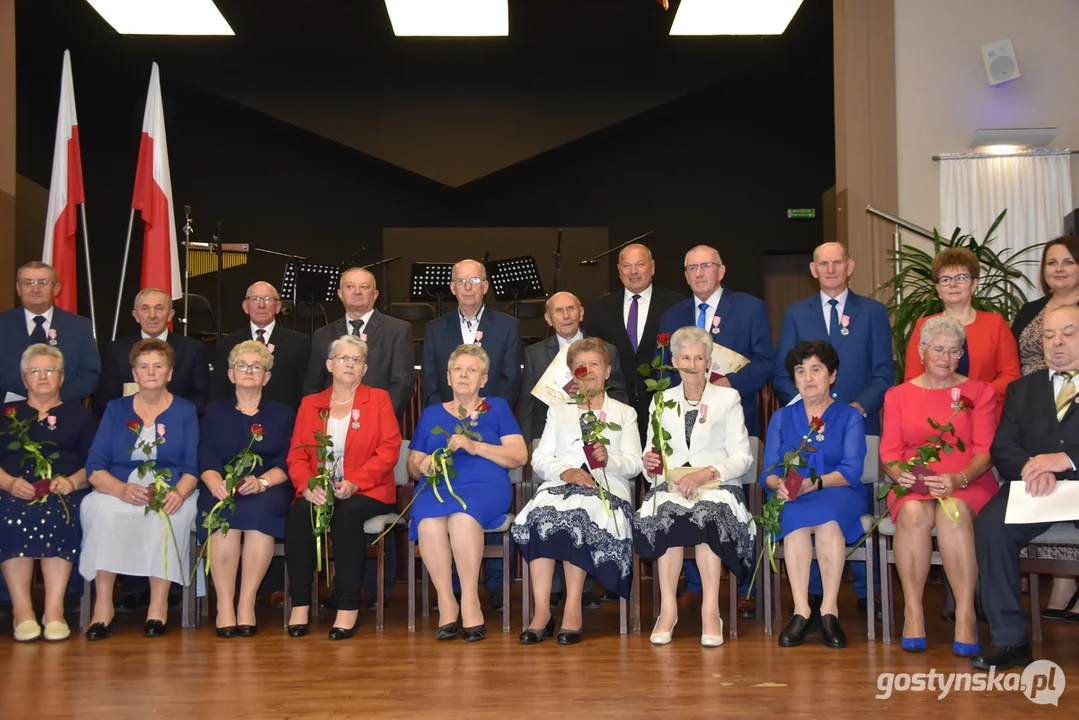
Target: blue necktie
<point x="833" y="322"/>
<point x="38" y="335"/>
<point x="701" y="316"/>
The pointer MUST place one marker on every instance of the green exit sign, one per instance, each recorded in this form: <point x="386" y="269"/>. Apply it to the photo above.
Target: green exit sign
<point x="801" y="213"/>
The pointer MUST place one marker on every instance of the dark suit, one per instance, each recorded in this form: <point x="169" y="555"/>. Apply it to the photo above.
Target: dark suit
<point x="390" y="358"/>
<point x="502" y="341"/>
<point x="74" y="338"/>
<point x="190" y="371"/>
<point x="1028" y="427"/>
<point x="604" y="319"/>
<point x="743" y="329"/>
<point x="866" y="366"/>
<point x="532" y="413"/>
<point x="291" y="351"/>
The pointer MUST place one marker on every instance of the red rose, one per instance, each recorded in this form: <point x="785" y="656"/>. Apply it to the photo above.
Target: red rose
<point x="581" y="372"/>
<point x="484" y="407"/>
<point x="324" y="413"/>
<point x="663" y="339"/>
<point x="134" y="426"/>
<point x="257" y="430"/>
<point x="815" y="424"/>
<point x="965" y="403"/>
<point x="11" y="411"/>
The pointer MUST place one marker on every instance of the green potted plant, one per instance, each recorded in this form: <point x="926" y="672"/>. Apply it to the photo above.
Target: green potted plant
<point x="913" y="295"/>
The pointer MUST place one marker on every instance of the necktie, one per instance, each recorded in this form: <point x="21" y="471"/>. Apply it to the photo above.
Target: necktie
<point x="631" y="323"/>
<point x="833" y="321"/>
<point x="356" y="325"/>
<point x="261" y="336"/>
<point x="701" y="316"/>
<point x="1066" y="396"/>
<point x="38" y="333"/>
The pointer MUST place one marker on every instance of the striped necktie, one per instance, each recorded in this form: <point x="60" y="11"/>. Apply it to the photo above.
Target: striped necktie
<point x="1066" y="396"/>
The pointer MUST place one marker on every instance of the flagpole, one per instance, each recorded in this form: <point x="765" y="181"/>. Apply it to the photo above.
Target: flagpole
<point x="89" y="277"/>
<point x="123" y="273"/>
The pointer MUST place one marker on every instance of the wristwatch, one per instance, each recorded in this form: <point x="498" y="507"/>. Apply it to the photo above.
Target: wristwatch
<point x="264" y="482"/>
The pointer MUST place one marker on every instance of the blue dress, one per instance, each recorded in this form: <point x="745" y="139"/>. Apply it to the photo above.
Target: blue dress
<point x="842" y="450"/>
<point x="42" y="530"/>
<point x="225" y="432"/>
<point x="483" y="485"/>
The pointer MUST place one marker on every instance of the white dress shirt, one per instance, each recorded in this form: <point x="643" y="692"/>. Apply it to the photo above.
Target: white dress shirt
<point x="30" y="324"/>
<point x="469" y="327"/>
<point x="267" y="331"/>
<point x="338" y="432"/>
<point x="366" y="317"/>
<point x="563" y="342"/>
<point x="840" y="307"/>
<point x="163" y="337"/>
<point x="643" y="302"/>
<point x="710" y="311"/>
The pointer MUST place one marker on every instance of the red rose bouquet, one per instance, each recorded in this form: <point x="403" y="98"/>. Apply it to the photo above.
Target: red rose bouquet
<point x="33" y="451"/>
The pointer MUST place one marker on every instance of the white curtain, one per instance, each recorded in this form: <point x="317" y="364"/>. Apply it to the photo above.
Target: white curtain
<point x="1035" y="189"/>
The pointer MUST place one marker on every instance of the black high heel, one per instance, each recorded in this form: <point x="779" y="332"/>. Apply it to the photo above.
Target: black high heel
<point x="297" y="631"/>
<point x="449" y="631"/>
<point x="534" y="637"/>
<point x="475" y="633"/>
<point x="247" y="630"/>
<point x="154" y="628"/>
<point x="226" y="632"/>
<point x="100" y="631"/>
<point x="340" y="633"/>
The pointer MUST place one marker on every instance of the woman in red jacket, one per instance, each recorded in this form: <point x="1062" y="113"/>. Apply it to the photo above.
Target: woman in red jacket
<point x="365" y="442"/>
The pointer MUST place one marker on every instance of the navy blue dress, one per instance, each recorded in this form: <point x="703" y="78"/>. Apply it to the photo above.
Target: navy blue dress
<point x="842" y="450"/>
<point x="42" y="530"/>
<point x="225" y="432"/>
<point x="482" y="484"/>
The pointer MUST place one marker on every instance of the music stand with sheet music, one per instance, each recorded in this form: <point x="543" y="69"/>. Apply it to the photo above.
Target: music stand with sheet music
<point x="314" y="282"/>
<point x="515" y="279"/>
<point x="431" y="281"/>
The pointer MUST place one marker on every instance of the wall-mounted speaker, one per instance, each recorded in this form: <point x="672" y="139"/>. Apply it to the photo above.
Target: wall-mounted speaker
<point x="1001" y="64"/>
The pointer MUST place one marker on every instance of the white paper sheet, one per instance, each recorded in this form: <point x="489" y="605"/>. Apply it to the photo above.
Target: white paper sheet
<point x="726" y="361"/>
<point x="551" y="387"/>
<point x="1061" y="505"/>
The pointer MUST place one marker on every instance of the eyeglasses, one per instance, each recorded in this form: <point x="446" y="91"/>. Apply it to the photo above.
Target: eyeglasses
<point x="36" y="372"/>
<point x="31" y="283"/>
<point x="349" y="360"/>
<point x="946" y="280"/>
<point x="267" y="299"/>
<point x="702" y="266"/>
<point x="940" y="350"/>
<point x="468" y="281"/>
<point x="253" y="368"/>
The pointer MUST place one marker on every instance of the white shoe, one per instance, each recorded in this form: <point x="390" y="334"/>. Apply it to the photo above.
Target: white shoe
<point x="57" y="630"/>
<point x="713" y="640"/>
<point x="27" y="631"/>
<point x="661" y="638"/>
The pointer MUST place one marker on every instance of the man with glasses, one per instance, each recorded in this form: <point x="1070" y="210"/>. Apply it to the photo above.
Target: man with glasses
<point x="39" y="321"/>
<point x="191" y="374"/>
<point x="290" y="349"/>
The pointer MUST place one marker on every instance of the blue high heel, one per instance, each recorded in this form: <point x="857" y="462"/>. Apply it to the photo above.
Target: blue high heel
<point x="913" y="644"/>
<point x="968" y="649"/>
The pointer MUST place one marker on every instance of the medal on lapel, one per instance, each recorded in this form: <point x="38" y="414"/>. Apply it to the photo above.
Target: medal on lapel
<point x="844" y="322"/>
<point x="52" y="336"/>
<point x="355" y="419"/>
<point x="715" y="324"/>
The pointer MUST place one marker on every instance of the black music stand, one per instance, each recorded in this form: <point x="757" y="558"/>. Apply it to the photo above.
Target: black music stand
<point x="515" y="279"/>
<point x="316" y="283"/>
<point x="431" y="281"/>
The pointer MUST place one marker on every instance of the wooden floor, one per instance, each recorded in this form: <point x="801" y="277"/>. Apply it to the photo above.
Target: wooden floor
<point x="395" y="674"/>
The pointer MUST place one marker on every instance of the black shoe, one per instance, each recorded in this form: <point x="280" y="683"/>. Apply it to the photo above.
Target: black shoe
<point x="99" y="631"/>
<point x="476" y="633"/>
<point x="1064" y="612"/>
<point x="339" y="633"/>
<point x="133" y="602"/>
<point x="834" y="637"/>
<point x="226" y="632"/>
<point x="247" y="630"/>
<point x="814" y="613"/>
<point x="154" y="628"/>
<point x="371" y="604"/>
<point x="1003" y="658"/>
<point x="496" y="602"/>
<point x="570" y="637"/>
<point x="878" y="609"/>
<point x="795" y="633"/>
<point x="534" y="637"/>
<point x="449" y="631"/>
<point x="297" y="631"/>
<point x="589" y="601"/>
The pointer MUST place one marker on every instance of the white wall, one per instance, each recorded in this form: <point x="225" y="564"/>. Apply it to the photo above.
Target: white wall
<point x="943" y="95"/>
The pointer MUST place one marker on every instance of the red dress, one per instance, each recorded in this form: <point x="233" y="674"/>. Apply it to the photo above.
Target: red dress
<point x="906" y="408"/>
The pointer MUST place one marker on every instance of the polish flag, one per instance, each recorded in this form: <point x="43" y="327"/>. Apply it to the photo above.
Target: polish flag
<point x="153" y="198"/>
<point x="65" y="194"/>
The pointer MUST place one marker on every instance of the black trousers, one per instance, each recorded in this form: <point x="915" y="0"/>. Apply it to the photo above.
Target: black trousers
<point x="349" y="551"/>
<point x="998" y="547"/>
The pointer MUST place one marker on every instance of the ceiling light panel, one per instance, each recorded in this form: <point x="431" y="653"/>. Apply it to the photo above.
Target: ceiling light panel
<point x="449" y="18"/>
<point x="734" y="17"/>
<point x="163" y="17"/>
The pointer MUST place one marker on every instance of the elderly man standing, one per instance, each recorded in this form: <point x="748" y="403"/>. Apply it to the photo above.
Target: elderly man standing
<point x="290" y="349"/>
<point x="1037" y="443"/>
<point x="858" y="329"/>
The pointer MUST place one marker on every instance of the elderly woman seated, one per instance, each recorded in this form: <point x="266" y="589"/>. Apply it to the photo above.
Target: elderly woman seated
<point x="119" y="536"/>
<point x="948" y="493"/>
<point x="697" y="499"/>
<point x="364" y="444"/>
<point x="581" y="516"/>
<point x="39" y="508"/>
<point x="826" y="513"/>
<point x="479" y="440"/>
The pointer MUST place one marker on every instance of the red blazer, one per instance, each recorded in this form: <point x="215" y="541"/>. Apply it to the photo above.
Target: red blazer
<point x="994" y="354"/>
<point x="371" y="451"/>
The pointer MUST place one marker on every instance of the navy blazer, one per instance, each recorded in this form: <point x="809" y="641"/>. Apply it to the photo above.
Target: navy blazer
<point x="291" y="351"/>
<point x="866" y="365"/>
<point x="744" y="329"/>
<point x="502" y="341"/>
<point x="74" y="338"/>
<point x="190" y="371"/>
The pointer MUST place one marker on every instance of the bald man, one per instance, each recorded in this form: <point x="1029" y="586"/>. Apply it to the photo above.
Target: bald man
<point x="291" y="349"/>
<point x="564" y="315"/>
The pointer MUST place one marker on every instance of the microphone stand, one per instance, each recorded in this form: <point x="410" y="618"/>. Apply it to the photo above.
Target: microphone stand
<point x="592" y="260"/>
<point x="220" y="280"/>
<point x="187" y="263"/>
<point x="385" y="265"/>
